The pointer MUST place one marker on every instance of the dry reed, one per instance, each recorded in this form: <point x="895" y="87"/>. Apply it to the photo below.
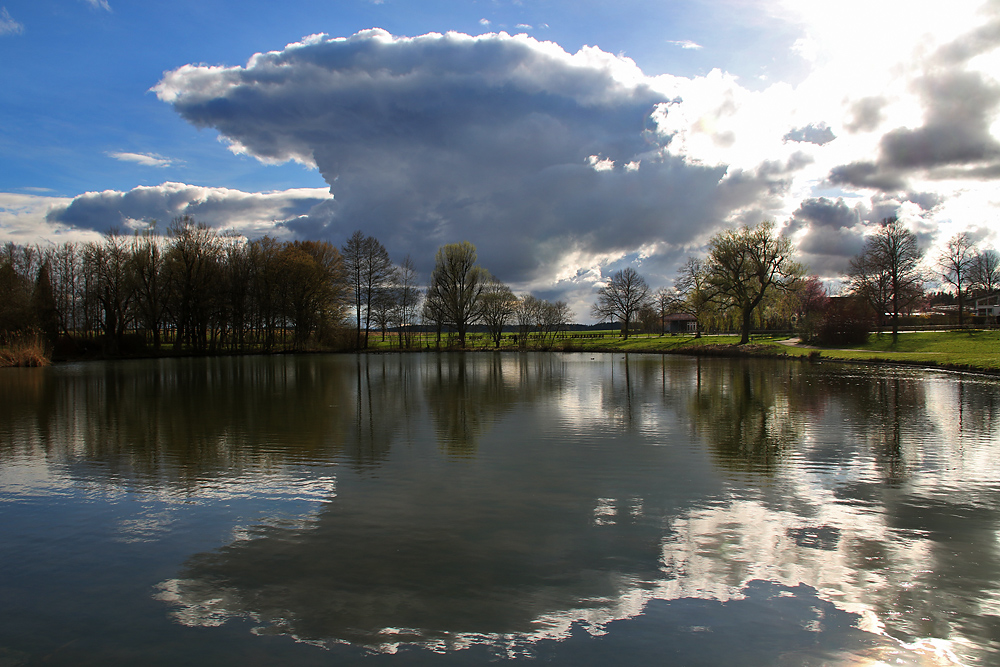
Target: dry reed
<point x="23" y="350"/>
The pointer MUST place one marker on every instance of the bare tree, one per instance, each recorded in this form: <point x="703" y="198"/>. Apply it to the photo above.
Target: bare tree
<point x="369" y="270"/>
<point x="192" y="266"/>
<point x="869" y="280"/>
<point x="456" y="286"/>
<point x="663" y="302"/>
<point x="887" y="272"/>
<point x="314" y="273"/>
<point x="432" y="312"/>
<point x="744" y="265"/>
<point x="553" y="317"/>
<point x="956" y="262"/>
<point x="408" y="300"/>
<point x="265" y="256"/>
<point x="985" y="274"/>
<point x="66" y="263"/>
<point x="691" y="285"/>
<point x="621" y="298"/>
<point x="239" y="277"/>
<point x="151" y="289"/>
<point x="526" y="315"/>
<point x="15" y="294"/>
<point x="43" y="303"/>
<point x="107" y="265"/>
<point x="498" y="304"/>
<point x="383" y="308"/>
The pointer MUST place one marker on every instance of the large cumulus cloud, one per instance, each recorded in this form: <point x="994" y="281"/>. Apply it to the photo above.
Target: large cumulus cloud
<point x="550" y="162"/>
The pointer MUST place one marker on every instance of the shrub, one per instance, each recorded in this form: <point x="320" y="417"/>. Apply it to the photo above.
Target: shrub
<point x="335" y="337"/>
<point x="845" y="322"/>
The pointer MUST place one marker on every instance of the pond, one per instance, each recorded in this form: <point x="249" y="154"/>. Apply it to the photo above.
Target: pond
<point x="439" y="509"/>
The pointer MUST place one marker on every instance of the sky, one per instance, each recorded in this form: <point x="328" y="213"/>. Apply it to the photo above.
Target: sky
<point x="566" y="140"/>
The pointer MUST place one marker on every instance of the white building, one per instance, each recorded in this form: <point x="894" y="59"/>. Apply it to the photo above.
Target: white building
<point x="988" y="305"/>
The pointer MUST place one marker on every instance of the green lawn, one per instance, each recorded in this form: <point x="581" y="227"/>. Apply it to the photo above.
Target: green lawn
<point x="960" y="349"/>
<point x="977" y="350"/>
<point x="972" y="349"/>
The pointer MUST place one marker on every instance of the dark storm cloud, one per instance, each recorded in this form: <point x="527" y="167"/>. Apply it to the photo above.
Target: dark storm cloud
<point x="960" y="107"/>
<point x="866" y="114"/>
<point x="532" y="154"/>
<point x="882" y="206"/>
<point x="813" y="134"/>
<point x="981" y="40"/>
<point x="955" y="140"/>
<point x="834" y="232"/>
<point x="986" y="173"/>
<point x="824" y="212"/>
<point x="866" y="175"/>
<point x="833" y="235"/>
<point x="927" y="201"/>
<point x="827" y="250"/>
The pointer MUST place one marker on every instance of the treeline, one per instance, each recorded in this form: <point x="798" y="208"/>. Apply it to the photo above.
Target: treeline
<point x="749" y="279"/>
<point x="194" y="289"/>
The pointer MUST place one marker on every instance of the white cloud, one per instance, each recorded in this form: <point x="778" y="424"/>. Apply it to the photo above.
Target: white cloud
<point x="145" y="159"/>
<point x="250" y="213"/>
<point x="24" y="220"/>
<point x="685" y="44"/>
<point x="598" y="164"/>
<point x="99" y="4"/>
<point x="9" y="26"/>
<point x="485" y="22"/>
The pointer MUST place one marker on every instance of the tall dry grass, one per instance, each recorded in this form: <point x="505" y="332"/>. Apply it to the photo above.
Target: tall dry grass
<point x="23" y="350"/>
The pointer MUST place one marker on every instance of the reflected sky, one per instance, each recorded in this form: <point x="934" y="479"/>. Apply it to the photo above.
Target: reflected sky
<point x="548" y="506"/>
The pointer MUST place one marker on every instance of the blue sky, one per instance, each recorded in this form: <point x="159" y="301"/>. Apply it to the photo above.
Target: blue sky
<point x="564" y="139"/>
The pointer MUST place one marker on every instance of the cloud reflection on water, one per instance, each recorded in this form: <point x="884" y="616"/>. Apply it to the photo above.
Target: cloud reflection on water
<point x="507" y="500"/>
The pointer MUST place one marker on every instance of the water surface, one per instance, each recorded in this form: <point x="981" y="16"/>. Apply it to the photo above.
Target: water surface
<point x="438" y="509"/>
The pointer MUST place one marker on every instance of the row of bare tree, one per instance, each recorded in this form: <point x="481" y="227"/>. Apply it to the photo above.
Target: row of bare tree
<point x="461" y="294"/>
<point x="195" y="288"/>
<point x="200" y="290"/>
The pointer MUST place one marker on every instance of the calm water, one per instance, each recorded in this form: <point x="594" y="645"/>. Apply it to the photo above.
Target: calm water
<point x="568" y="509"/>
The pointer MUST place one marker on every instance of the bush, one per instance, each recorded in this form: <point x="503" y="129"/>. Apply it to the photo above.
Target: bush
<point x="335" y="337"/>
<point x="845" y="322"/>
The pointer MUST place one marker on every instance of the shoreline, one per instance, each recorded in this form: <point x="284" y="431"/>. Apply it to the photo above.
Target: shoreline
<point x="753" y="350"/>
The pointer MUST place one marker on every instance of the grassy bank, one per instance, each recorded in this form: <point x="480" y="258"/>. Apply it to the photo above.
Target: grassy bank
<point x="966" y="350"/>
<point x="963" y="350"/>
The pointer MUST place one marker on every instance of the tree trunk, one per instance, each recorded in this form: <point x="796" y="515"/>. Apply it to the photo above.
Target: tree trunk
<point x="745" y="329"/>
